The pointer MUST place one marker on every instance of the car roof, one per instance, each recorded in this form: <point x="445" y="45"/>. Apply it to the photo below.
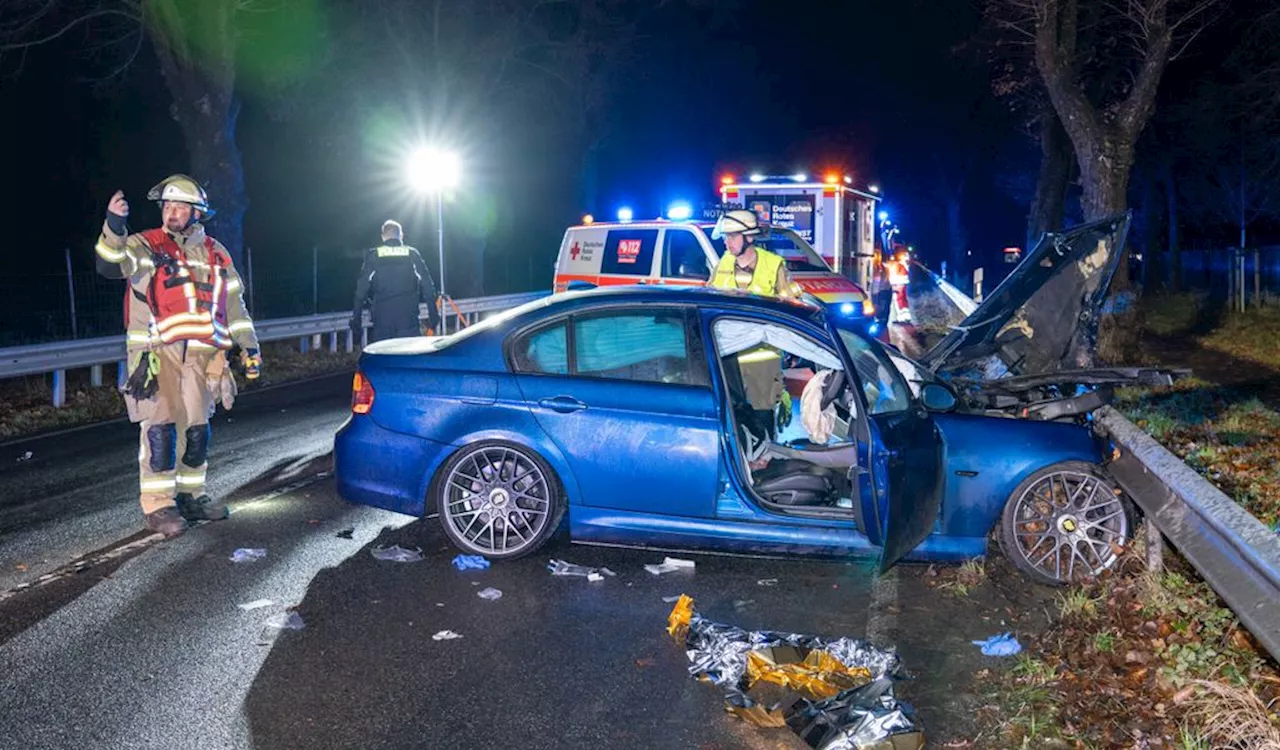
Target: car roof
<point x="643" y="224"/>
<point x="689" y="295"/>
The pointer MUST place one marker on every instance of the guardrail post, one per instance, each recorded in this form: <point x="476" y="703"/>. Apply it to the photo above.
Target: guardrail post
<point x="333" y="341"/>
<point x="364" y="337"/>
<point x="122" y="373"/>
<point x="59" y="388"/>
<point x="95" y="376"/>
<point x="304" y="344"/>
<point x="351" y="340"/>
<point x="1155" y="549"/>
<point x="315" y="342"/>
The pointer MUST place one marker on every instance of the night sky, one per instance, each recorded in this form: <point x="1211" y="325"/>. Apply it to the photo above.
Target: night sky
<point x="874" y="89"/>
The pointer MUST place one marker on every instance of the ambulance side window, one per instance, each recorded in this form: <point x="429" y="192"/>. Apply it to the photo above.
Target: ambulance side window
<point x="629" y="252"/>
<point x="683" y="257"/>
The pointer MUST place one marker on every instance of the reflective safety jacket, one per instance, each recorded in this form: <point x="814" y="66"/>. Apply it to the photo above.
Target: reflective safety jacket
<point x="770" y="271"/>
<point x="182" y="287"/>
<point x="393" y="281"/>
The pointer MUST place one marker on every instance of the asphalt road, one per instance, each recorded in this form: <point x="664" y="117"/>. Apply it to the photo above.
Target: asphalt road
<point x="146" y="647"/>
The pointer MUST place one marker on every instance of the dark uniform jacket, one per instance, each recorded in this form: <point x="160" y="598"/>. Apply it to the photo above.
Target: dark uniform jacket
<point x="393" y="280"/>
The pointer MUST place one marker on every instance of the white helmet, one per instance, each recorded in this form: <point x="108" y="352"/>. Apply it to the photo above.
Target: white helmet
<point x="181" y="189"/>
<point x="741" y="222"/>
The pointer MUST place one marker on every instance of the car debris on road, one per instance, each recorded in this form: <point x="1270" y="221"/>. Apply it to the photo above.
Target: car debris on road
<point x="245" y="554"/>
<point x="396" y="553"/>
<point x="562" y="568"/>
<point x="489" y="594"/>
<point x="445" y="635"/>
<point x="838" y="693"/>
<point x="670" y="565"/>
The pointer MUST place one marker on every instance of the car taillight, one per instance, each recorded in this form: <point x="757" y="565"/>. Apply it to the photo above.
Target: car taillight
<point x="361" y="394"/>
<point x="868" y="308"/>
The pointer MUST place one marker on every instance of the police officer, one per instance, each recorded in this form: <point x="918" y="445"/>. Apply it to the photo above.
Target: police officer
<point x="744" y="266"/>
<point x="183" y="312"/>
<point x="394" y="279"/>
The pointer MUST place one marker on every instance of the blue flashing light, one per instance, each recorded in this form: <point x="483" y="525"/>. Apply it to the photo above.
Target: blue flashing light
<point x="874" y="328"/>
<point x="799" y="176"/>
<point x="757" y="177"/>
<point x="679" y="211"/>
<point x="625" y="214"/>
<point x="884" y="216"/>
<point x="846" y="308"/>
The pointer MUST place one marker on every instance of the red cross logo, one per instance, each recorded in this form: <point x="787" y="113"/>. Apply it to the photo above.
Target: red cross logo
<point x="573" y="251"/>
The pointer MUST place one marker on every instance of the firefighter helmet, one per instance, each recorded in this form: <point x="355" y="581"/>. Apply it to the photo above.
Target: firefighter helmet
<point x="741" y="222"/>
<point x="181" y="189"/>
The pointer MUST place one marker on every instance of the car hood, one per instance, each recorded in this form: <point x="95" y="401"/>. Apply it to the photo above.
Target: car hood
<point x="1043" y="318"/>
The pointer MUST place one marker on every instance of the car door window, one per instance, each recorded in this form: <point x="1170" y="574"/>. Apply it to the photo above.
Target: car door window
<point x="544" y="351"/>
<point x="884" y="387"/>
<point x="683" y="257"/>
<point x="632" y="345"/>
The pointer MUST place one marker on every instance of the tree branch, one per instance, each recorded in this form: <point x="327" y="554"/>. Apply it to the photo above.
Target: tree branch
<point x="12" y="46"/>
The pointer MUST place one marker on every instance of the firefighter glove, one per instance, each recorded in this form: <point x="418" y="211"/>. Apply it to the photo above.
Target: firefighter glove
<point x="252" y="363"/>
<point x="784" y="410"/>
<point x="143" y="382"/>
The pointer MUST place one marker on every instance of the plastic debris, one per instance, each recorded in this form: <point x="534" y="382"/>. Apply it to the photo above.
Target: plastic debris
<point x="286" y="621"/>
<point x="836" y="694"/>
<point x="562" y="568"/>
<point x="396" y="553"/>
<point x="346" y="533"/>
<point x="470" y="562"/>
<point x="743" y="603"/>
<point x="255" y="604"/>
<point x="26" y="456"/>
<point x="999" y="645"/>
<point x="245" y="554"/>
<point x="445" y="635"/>
<point x="767" y="582"/>
<point x="490" y="593"/>
<point x="670" y="599"/>
<point x="669" y="565"/>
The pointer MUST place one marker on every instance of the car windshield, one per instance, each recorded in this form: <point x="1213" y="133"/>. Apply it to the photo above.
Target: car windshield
<point x="916" y="374"/>
<point x="799" y="255"/>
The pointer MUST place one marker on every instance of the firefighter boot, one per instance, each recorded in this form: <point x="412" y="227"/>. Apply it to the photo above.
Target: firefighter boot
<point x="167" y="521"/>
<point x="202" y="508"/>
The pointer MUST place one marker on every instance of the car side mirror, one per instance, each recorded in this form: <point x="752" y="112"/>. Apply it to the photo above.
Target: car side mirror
<point x="937" y="397"/>
<point x="695" y="271"/>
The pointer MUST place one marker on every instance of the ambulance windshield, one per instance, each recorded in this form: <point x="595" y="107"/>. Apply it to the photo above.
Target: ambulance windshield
<point x="799" y="255"/>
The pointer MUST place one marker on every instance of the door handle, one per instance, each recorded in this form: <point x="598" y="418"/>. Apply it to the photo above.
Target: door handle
<point x="562" y="404"/>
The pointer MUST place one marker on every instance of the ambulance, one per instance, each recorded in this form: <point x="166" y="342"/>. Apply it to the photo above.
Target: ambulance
<point x="831" y="215"/>
<point x="682" y="253"/>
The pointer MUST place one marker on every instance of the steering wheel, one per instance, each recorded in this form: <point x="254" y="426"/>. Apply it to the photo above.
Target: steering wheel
<point x="834" y="387"/>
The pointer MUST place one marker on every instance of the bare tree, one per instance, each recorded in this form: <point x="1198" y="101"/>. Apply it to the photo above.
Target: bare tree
<point x="196" y="45"/>
<point x="1101" y="62"/>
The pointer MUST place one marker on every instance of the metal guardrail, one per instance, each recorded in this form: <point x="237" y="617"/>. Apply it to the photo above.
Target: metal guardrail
<point x="59" y="356"/>
<point x="1233" y="551"/>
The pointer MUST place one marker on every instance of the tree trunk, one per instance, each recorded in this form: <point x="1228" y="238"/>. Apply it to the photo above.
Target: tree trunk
<point x="201" y="80"/>
<point x="1056" y="156"/>
<point x="1106" y="183"/>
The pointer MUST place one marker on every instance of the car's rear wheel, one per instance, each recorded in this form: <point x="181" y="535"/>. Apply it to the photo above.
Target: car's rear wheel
<point x="1064" y="523"/>
<point x="498" y="499"/>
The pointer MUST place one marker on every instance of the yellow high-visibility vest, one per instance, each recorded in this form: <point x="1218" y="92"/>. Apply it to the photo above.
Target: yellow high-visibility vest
<point x="764" y="280"/>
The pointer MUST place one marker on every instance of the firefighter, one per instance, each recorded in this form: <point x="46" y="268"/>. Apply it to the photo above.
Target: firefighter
<point x="744" y="266"/>
<point x="183" y="313"/>
<point x="394" y="278"/>
<point x="882" y="294"/>
<point x="899" y="277"/>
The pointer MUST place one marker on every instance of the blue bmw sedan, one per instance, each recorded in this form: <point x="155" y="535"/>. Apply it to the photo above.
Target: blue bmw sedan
<point x="703" y="420"/>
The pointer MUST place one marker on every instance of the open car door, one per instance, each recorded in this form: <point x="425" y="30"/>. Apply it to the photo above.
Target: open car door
<point x="906" y="448"/>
